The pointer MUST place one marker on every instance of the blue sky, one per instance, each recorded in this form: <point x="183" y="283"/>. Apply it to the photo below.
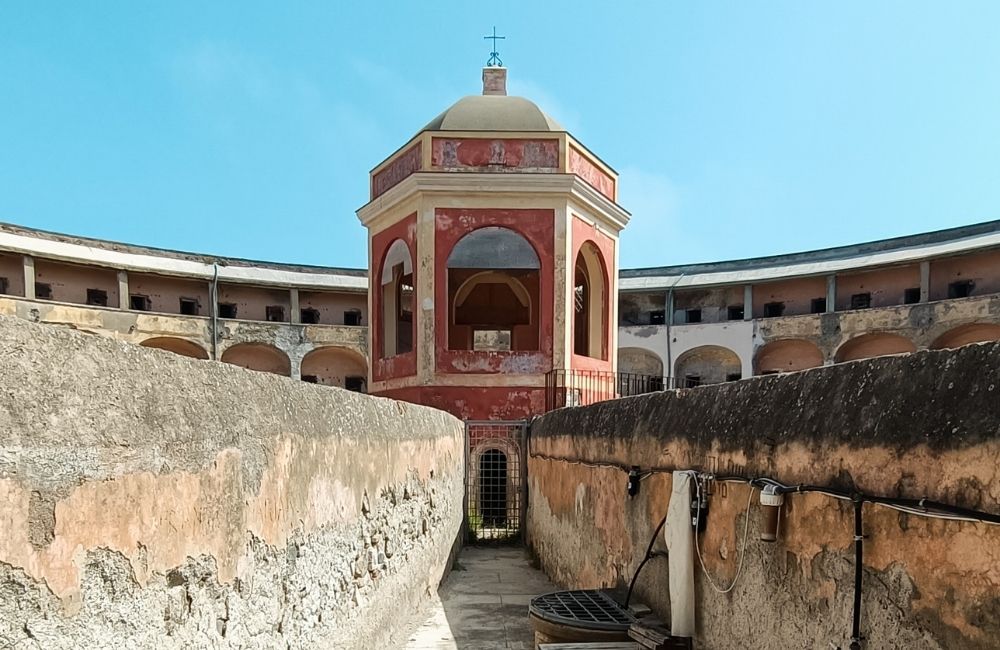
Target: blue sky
<point x="739" y="128"/>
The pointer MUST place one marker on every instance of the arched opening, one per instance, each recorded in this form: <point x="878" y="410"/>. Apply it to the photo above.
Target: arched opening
<point x="707" y="364"/>
<point x="966" y="334"/>
<point x="590" y="303"/>
<point x="258" y="356"/>
<point x="787" y="355"/>
<point x="639" y="371"/>
<point x="182" y="347"/>
<point x="493" y="285"/>
<point x="396" y="300"/>
<point x="876" y="344"/>
<point x="493" y="488"/>
<point x="333" y="366"/>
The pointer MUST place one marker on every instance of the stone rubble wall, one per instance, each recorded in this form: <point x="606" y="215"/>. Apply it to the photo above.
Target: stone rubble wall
<point x="149" y="500"/>
<point x="919" y="425"/>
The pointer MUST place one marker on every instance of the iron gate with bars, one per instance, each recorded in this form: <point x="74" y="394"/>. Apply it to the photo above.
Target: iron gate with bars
<point x="495" y="487"/>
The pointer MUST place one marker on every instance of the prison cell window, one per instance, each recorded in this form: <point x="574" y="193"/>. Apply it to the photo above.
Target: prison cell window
<point x="274" y="313"/>
<point x="4" y="285"/>
<point x="774" y="309"/>
<point x="911" y="296"/>
<point x="691" y="381"/>
<point x="352" y="317"/>
<point x="309" y="316"/>
<point x="657" y="317"/>
<point x="43" y="291"/>
<point x="139" y="303"/>
<point x="734" y="312"/>
<point x="356" y="384"/>
<point x="734" y="376"/>
<point x="190" y="306"/>
<point x="227" y="310"/>
<point x="97" y="297"/>
<point x="817" y="306"/>
<point x="693" y="315"/>
<point x="310" y="379"/>
<point x="861" y="300"/>
<point x="960" y="289"/>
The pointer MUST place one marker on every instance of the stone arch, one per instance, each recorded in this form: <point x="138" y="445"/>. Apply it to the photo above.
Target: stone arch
<point x="183" y="347"/>
<point x="707" y="364"/>
<point x="258" y="356"/>
<point x="875" y="344"/>
<point x="336" y="366"/>
<point x="493" y="292"/>
<point x="966" y="334"/>
<point x="787" y="355"/>
<point x="639" y="361"/>
<point x="494" y="471"/>
<point x="396" y="295"/>
<point x="590" y="302"/>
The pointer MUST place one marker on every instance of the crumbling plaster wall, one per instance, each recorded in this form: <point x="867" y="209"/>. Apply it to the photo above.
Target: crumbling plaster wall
<point x="149" y="500"/>
<point x="919" y="425"/>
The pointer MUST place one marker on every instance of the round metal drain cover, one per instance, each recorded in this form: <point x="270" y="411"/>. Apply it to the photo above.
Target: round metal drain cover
<point x="591" y="609"/>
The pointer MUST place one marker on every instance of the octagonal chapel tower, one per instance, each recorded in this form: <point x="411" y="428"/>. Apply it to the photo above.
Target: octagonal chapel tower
<point x="493" y="260"/>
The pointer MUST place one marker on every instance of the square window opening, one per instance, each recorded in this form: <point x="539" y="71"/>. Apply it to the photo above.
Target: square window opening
<point x="734" y="312"/>
<point x="227" y="310"/>
<point x="43" y="291"/>
<point x="139" y="303"/>
<point x="817" y="306"/>
<point x="274" y="314"/>
<point x="734" y="376"/>
<point x="189" y="306"/>
<point x="355" y="384"/>
<point x="352" y="317"/>
<point x="861" y="300"/>
<point x="691" y="381"/>
<point x="693" y="315"/>
<point x="309" y="316"/>
<point x="774" y="309"/>
<point x="961" y="289"/>
<point x="4" y="285"/>
<point x="658" y="317"/>
<point x="97" y="297"/>
<point x="911" y="296"/>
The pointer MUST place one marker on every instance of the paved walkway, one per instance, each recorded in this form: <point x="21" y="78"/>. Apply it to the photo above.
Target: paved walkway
<point x="483" y="604"/>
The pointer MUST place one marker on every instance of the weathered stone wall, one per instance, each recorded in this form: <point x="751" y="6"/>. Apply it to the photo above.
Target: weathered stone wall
<point x="148" y="500"/>
<point x="919" y="425"/>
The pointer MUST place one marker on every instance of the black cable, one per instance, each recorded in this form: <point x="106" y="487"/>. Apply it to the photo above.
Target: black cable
<point x="649" y="555"/>
<point x="858" y="574"/>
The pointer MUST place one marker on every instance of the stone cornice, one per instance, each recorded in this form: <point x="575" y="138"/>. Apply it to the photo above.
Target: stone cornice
<point x="519" y="185"/>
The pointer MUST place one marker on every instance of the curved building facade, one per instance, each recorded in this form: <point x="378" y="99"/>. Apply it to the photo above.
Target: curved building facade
<point x="493" y="288"/>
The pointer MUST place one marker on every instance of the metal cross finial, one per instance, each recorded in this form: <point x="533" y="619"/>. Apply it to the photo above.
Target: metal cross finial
<point x="494" y="55"/>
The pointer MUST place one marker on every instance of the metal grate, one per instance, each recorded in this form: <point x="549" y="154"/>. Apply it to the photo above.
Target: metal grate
<point x="591" y="609"/>
<point x="494" y="488"/>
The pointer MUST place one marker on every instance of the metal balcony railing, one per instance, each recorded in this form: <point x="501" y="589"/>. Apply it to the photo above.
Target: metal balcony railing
<point x="583" y="387"/>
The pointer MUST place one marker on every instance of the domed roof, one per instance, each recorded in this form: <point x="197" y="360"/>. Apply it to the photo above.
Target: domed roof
<point x="493" y="113"/>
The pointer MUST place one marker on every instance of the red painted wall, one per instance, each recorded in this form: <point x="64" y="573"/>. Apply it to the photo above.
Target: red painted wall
<point x="476" y="403"/>
<point x="405" y="164"/>
<point x="538" y="227"/>
<point x="475" y="154"/>
<point x="401" y="365"/>
<point x="583" y="232"/>
<point x="588" y="171"/>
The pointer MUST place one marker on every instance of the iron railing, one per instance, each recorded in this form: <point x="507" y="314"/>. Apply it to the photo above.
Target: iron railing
<point x="583" y="387"/>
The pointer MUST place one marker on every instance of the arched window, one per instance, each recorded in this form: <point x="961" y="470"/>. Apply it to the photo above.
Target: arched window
<point x="493" y="285"/>
<point x="590" y="303"/>
<point x="396" y="291"/>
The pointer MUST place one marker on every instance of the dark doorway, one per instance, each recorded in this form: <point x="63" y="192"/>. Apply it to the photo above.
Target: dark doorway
<point x="493" y="488"/>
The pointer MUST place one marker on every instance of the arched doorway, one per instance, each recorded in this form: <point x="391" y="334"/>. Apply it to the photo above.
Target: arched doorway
<point x="493" y="479"/>
<point x="787" y="355"/>
<point x="396" y="301"/>
<point x="590" y="303"/>
<point x="707" y="364"/>
<point x="493" y="285"/>
<point x="877" y="344"/>
<point x="966" y="334"/>
<point x="182" y="347"/>
<point x="258" y="356"/>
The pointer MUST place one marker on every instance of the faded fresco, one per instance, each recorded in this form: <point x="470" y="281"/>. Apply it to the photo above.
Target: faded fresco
<point x="396" y="171"/>
<point x="588" y="171"/>
<point x="495" y="155"/>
